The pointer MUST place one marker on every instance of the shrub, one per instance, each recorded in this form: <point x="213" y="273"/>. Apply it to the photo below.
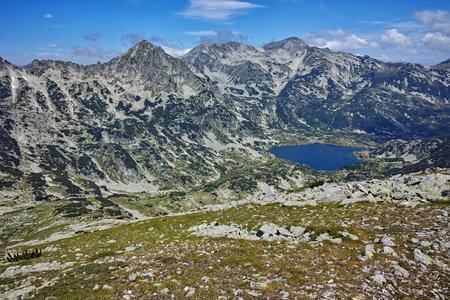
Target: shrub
<point x="26" y="254"/>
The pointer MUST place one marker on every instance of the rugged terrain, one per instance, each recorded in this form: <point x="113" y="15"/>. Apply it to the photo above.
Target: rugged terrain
<point x="86" y="148"/>
<point x="387" y="239"/>
<point x="290" y="85"/>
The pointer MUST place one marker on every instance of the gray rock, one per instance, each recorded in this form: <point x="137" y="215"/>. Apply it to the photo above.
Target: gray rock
<point x="297" y="231"/>
<point x="269" y="229"/>
<point x="389" y="250"/>
<point x="399" y="271"/>
<point x="352" y="200"/>
<point x="331" y="193"/>
<point x="379" y="278"/>
<point x="349" y="235"/>
<point x="257" y="285"/>
<point x="323" y="237"/>
<point x="273" y="232"/>
<point x="387" y="241"/>
<point x="422" y="257"/>
<point x="370" y="250"/>
<point x="295" y="203"/>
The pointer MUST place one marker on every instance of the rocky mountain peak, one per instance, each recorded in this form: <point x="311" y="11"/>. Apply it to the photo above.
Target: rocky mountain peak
<point x="151" y="67"/>
<point x="292" y="45"/>
<point x="445" y="65"/>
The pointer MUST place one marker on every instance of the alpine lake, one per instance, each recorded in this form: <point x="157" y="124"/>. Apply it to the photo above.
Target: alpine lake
<point x="318" y="156"/>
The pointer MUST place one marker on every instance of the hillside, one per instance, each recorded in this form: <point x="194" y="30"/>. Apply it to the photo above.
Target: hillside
<point x="292" y="86"/>
<point x="146" y="134"/>
<point x="387" y="239"/>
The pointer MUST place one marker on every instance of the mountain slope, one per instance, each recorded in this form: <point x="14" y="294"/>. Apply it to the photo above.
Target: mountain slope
<point x="142" y="123"/>
<point x="146" y="133"/>
<point x="301" y="87"/>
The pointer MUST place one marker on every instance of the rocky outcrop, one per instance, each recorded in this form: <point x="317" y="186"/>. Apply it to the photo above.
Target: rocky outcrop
<point x="404" y="190"/>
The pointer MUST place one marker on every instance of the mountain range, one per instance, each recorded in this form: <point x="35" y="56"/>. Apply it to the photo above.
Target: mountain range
<point x="151" y="133"/>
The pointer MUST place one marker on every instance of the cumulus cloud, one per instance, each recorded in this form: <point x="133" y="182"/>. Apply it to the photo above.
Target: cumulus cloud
<point x="350" y="42"/>
<point x="175" y="52"/>
<point x="436" y="40"/>
<point x="393" y="38"/>
<point x="51" y="54"/>
<point x="217" y="10"/>
<point x="48" y="16"/>
<point x="93" y="36"/>
<point x="338" y="40"/>
<point x="437" y="20"/>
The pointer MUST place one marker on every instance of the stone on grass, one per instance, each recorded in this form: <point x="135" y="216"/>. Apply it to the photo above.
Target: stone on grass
<point x="389" y="250"/>
<point x="352" y="200"/>
<point x="295" y="203"/>
<point x="387" y="241"/>
<point x="257" y="285"/>
<point x="422" y="257"/>
<point x="378" y="278"/>
<point x="399" y="271"/>
<point x="370" y="250"/>
<point x="297" y="230"/>
<point x="348" y="235"/>
<point x="271" y="231"/>
<point x="424" y="244"/>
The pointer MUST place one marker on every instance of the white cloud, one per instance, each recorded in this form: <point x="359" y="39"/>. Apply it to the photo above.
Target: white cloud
<point x="217" y="10"/>
<point x="438" y="20"/>
<point x="51" y="54"/>
<point x="384" y="57"/>
<point x="48" y="16"/>
<point x="436" y="40"/>
<point x="205" y="32"/>
<point x="393" y="38"/>
<point x="338" y="32"/>
<point x="350" y="42"/>
<point x="338" y="40"/>
<point x="175" y="52"/>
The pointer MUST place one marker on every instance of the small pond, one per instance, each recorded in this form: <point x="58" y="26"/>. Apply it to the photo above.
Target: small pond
<point x="318" y="156"/>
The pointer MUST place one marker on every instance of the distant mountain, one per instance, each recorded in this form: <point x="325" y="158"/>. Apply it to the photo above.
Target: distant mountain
<point x="142" y="122"/>
<point x="165" y="134"/>
<point x="445" y="65"/>
<point x="292" y="86"/>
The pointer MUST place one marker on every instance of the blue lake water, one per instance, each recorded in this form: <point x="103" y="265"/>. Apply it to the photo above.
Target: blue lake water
<point x="318" y="156"/>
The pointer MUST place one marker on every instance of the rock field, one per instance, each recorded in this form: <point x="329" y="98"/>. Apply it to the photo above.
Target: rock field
<point x="376" y="239"/>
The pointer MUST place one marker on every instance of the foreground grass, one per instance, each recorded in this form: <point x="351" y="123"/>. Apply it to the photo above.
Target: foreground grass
<point x="158" y="258"/>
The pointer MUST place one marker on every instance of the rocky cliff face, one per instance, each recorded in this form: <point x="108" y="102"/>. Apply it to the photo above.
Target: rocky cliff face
<point x="147" y="124"/>
<point x="143" y="122"/>
<point x="298" y="87"/>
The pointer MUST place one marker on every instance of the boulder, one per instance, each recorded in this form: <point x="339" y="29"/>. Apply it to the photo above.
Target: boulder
<point x="271" y="231"/>
<point x="422" y="257"/>
<point x="297" y="231"/>
<point x="348" y="235"/>
<point x="370" y="250"/>
<point x="387" y="241"/>
<point x="295" y="203"/>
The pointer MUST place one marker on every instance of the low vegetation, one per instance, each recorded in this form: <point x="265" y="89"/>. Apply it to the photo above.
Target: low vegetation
<point x="22" y="255"/>
<point x="159" y="258"/>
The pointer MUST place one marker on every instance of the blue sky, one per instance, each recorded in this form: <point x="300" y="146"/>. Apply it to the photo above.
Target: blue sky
<point x="87" y="31"/>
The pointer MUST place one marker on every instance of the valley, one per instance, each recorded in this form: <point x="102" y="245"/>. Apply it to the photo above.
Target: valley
<point x="147" y="140"/>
